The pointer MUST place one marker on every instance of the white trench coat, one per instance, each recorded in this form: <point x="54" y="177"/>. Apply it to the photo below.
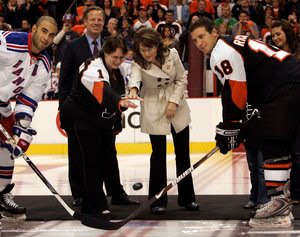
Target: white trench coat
<point x="159" y="86"/>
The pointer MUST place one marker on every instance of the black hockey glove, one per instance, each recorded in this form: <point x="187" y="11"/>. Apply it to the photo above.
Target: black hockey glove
<point x="227" y="136"/>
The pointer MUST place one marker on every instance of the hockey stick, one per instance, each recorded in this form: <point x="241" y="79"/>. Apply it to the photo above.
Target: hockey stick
<point x="106" y="224"/>
<point x="75" y="214"/>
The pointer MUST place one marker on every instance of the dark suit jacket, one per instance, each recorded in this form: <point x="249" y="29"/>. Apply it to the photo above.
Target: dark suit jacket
<point x="75" y="53"/>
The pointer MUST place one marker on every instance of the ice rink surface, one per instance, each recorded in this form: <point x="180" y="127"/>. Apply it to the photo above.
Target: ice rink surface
<point x="218" y="175"/>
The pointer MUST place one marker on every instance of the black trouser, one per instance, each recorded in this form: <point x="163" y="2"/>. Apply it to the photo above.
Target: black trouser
<point x="112" y="174"/>
<point x="111" y="177"/>
<point x="295" y="172"/>
<point x="95" y="150"/>
<point x="75" y="171"/>
<point x="158" y="168"/>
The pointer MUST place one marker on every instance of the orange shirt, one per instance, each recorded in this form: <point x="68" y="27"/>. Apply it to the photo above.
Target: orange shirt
<point x="79" y="29"/>
<point x="145" y="3"/>
<point x="119" y="3"/>
<point x="209" y="7"/>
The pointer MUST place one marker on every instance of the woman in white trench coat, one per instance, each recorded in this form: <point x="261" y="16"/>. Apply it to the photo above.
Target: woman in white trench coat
<point x="159" y="78"/>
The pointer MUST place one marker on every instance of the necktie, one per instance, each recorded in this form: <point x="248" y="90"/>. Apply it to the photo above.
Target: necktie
<point x="95" y="51"/>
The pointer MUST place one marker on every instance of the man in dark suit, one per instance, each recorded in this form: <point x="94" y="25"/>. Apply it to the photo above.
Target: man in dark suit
<point x="76" y="52"/>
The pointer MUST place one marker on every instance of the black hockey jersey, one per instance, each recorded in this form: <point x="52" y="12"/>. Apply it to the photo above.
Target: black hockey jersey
<point x="250" y="71"/>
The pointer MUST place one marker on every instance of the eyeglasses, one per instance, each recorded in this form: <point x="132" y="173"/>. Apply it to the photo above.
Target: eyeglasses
<point x="115" y="58"/>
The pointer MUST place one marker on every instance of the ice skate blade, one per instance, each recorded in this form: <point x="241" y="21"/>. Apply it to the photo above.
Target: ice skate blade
<point x="272" y="222"/>
<point x="6" y="216"/>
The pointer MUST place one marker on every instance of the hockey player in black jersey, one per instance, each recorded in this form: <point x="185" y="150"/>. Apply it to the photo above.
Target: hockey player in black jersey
<point x="268" y="79"/>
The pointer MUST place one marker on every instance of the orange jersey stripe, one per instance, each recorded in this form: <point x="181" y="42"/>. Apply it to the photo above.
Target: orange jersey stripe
<point x="98" y="91"/>
<point x="278" y="166"/>
<point x="274" y="184"/>
<point x="238" y="93"/>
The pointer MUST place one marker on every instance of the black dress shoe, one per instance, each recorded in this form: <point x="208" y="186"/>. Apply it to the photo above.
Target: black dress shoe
<point x="123" y="199"/>
<point x="159" y="210"/>
<point x="191" y="206"/>
<point x="77" y="202"/>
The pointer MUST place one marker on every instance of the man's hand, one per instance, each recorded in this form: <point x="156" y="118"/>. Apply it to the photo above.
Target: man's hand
<point x="227" y="136"/>
<point x="23" y="136"/>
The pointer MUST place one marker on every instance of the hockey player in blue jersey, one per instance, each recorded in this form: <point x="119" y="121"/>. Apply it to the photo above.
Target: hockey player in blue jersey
<point x="25" y="67"/>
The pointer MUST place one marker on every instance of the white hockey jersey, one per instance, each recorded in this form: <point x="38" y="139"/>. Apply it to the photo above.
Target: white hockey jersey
<point x="21" y="74"/>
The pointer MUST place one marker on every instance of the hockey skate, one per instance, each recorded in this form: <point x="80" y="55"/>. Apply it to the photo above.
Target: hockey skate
<point x="275" y="213"/>
<point x="9" y="210"/>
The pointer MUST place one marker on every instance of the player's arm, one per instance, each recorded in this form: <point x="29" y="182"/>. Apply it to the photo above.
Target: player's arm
<point x="229" y="68"/>
<point x="97" y="82"/>
<point x="231" y="72"/>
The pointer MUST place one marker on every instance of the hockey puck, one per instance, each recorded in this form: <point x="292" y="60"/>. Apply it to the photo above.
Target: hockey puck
<point x="137" y="186"/>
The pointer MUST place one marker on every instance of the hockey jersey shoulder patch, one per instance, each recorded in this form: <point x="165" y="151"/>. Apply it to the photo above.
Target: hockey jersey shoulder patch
<point x="16" y="41"/>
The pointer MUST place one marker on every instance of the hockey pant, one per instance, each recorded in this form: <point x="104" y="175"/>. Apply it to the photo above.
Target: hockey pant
<point x="280" y="122"/>
<point x="6" y="168"/>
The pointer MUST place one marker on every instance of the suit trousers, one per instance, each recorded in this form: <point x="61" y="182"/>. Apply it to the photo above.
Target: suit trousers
<point x="75" y="163"/>
<point x="158" y="168"/>
<point x="112" y="174"/>
<point x="94" y="144"/>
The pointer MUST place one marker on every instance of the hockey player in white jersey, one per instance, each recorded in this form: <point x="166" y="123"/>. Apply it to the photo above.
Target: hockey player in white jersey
<point x="268" y="79"/>
<point x="25" y="67"/>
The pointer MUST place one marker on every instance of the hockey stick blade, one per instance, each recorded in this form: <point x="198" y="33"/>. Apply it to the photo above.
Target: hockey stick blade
<point x="73" y="213"/>
<point x="106" y="224"/>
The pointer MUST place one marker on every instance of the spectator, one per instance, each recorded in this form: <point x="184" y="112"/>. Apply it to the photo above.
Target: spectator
<point x="161" y="15"/>
<point x="259" y="12"/>
<point x="14" y="14"/>
<point x="269" y="11"/>
<point x="181" y="13"/>
<point x="278" y="13"/>
<point x="169" y="40"/>
<point x="110" y="11"/>
<point x="111" y="28"/>
<point x="34" y="10"/>
<point x="134" y="9"/>
<point x="156" y="6"/>
<point x="3" y="25"/>
<point x="285" y="38"/>
<point x="266" y="30"/>
<point x="143" y="21"/>
<point x="170" y="21"/>
<point x="223" y="29"/>
<point x="127" y="32"/>
<point x="26" y="26"/>
<point x="124" y="12"/>
<point x="63" y="37"/>
<point x="224" y="2"/>
<point x="163" y="111"/>
<point x="225" y="17"/>
<point x="81" y="9"/>
<point x="293" y="20"/>
<point x="245" y="26"/>
<point x="201" y="11"/>
<point x="249" y="8"/>
<point x="292" y="6"/>
<point x="209" y="8"/>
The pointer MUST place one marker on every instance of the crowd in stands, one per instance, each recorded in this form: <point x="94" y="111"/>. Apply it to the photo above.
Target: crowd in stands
<point x="171" y="18"/>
